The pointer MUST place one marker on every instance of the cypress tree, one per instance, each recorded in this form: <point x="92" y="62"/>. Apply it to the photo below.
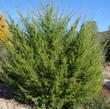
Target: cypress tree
<point x="51" y="66"/>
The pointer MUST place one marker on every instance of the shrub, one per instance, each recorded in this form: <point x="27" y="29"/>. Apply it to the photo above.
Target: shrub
<point x="50" y="65"/>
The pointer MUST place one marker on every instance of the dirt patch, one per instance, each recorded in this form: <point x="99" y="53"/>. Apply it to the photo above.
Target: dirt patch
<point x="11" y="104"/>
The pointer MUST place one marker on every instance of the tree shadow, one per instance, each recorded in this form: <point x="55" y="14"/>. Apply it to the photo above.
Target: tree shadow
<point x="6" y="92"/>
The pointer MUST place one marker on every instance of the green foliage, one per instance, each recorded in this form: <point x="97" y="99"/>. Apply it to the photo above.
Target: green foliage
<point x="51" y="66"/>
<point x="99" y="102"/>
<point x="88" y="59"/>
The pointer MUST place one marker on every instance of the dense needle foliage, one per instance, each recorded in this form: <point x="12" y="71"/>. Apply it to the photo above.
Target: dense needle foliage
<point x="50" y="65"/>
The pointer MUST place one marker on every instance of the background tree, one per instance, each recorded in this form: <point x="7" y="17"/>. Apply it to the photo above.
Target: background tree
<point x="5" y="37"/>
<point x="5" y="34"/>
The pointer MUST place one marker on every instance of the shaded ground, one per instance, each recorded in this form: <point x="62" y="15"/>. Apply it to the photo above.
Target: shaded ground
<point x="6" y="99"/>
<point x="5" y="92"/>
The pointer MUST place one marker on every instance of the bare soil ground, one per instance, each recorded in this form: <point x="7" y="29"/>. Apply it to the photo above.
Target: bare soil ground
<point x="11" y="104"/>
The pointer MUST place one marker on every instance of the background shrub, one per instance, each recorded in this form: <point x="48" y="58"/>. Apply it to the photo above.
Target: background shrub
<point x="50" y="65"/>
